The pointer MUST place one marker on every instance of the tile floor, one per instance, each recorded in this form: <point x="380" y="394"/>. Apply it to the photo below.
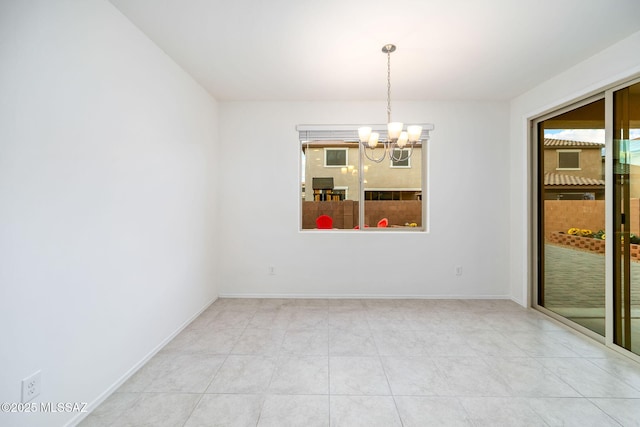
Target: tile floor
<point x="575" y="289"/>
<point x="268" y="362"/>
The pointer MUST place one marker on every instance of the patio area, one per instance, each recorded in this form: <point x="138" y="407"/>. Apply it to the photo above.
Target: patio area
<point x="575" y="289"/>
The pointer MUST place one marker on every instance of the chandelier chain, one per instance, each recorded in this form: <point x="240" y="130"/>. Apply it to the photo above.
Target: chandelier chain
<point x="398" y="144"/>
<point x="388" y="87"/>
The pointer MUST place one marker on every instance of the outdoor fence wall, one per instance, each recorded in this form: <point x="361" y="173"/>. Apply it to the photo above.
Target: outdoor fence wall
<point x="345" y="213"/>
<point x="561" y="215"/>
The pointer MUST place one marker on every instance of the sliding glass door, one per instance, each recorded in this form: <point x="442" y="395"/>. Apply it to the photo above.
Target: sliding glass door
<point x="571" y="214"/>
<point x="626" y="216"/>
<point x="585" y="276"/>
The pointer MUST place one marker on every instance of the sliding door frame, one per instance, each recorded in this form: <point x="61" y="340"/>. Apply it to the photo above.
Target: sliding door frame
<point x="536" y="212"/>
<point x="614" y="333"/>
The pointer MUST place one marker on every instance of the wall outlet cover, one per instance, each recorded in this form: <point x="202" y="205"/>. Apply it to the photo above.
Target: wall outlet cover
<point x="31" y="386"/>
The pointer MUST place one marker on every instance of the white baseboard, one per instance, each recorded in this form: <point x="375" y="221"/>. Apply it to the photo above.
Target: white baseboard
<point x="109" y="391"/>
<point x="517" y="301"/>
<point x="361" y="296"/>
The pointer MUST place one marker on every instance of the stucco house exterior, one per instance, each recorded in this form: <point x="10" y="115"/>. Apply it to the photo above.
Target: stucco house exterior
<point x="573" y="170"/>
<point x="339" y="160"/>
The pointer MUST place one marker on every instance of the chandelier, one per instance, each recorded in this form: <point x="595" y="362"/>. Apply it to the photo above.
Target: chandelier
<point x="399" y="144"/>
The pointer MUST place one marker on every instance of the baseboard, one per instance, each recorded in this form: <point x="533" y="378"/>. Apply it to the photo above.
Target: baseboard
<point x="108" y="392"/>
<point x="517" y="301"/>
<point x="361" y="296"/>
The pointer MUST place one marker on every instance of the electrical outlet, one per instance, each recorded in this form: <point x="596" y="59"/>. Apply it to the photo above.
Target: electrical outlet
<point x="31" y="386"/>
<point x="272" y="270"/>
<point x="458" y="270"/>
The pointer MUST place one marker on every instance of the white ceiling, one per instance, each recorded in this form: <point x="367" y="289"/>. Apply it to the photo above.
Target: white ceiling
<point x="310" y="50"/>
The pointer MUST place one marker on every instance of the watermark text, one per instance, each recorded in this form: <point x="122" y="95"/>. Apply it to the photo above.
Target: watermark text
<point x="43" y="407"/>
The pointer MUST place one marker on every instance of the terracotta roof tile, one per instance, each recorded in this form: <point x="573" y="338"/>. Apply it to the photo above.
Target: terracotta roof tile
<point x="549" y="142"/>
<point x="560" y="179"/>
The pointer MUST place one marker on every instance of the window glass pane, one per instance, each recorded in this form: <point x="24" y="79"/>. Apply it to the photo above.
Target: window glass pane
<point x="333" y="181"/>
<point x="571" y="218"/>
<point x="393" y="191"/>
<point x="336" y="157"/>
<point x="568" y="159"/>
<point x="626" y="193"/>
<point x="400" y="158"/>
<point x="331" y="184"/>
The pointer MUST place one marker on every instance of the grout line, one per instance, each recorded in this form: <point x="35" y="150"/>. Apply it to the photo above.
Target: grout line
<point x="369" y="314"/>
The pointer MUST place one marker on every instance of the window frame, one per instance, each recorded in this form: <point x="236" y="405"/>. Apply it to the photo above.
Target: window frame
<point x="569" y="150"/>
<point x="408" y="160"/>
<point x="346" y="157"/>
<point x="344" y="188"/>
<point x="349" y="134"/>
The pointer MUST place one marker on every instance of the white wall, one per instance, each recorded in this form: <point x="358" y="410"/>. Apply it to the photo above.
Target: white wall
<point x="260" y="195"/>
<point x="106" y="200"/>
<point x="615" y="64"/>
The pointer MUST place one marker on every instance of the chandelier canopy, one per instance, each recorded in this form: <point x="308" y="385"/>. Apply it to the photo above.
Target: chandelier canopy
<point x="399" y="143"/>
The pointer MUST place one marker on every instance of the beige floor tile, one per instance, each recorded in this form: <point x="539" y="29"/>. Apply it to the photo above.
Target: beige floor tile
<point x="364" y="411"/>
<point x="318" y="362"/>
<point x="284" y="410"/>
<point x="351" y="342"/>
<point x="624" y="411"/>
<point x="413" y="376"/>
<point x="226" y="410"/>
<point x="417" y="411"/>
<point x="159" y="410"/>
<point x="243" y="374"/>
<point x="301" y="375"/>
<point x="306" y="342"/>
<point x="357" y="376"/>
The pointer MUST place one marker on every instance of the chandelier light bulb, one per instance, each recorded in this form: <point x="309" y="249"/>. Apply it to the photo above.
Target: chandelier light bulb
<point x="414" y="132"/>
<point x="373" y="139"/>
<point x="394" y="129"/>
<point x="403" y="139"/>
<point x="364" y="133"/>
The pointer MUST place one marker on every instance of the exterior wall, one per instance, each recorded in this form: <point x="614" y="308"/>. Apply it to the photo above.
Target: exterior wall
<point x="397" y="212"/>
<point x="378" y="176"/>
<point x="561" y="215"/>
<point x="314" y="167"/>
<point x="382" y="175"/>
<point x="345" y="213"/>
<point x="560" y="193"/>
<point x="590" y="162"/>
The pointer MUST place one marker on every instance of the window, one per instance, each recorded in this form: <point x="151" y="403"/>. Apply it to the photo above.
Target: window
<point x="568" y="159"/>
<point x="402" y="154"/>
<point x="336" y="157"/>
<point x="359" y="194"/>
<point x="340" y="192"/>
